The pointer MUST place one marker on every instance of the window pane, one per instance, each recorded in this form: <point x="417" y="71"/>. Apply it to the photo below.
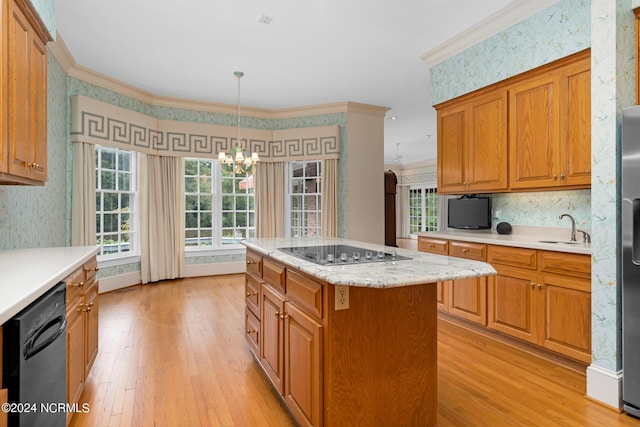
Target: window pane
<point x="305" y="198"/>
<point x="205" y="184"/>
<point x="191" y="203"/>
<point x="124" y="181"/>
<point x="108" y="159"/>
<point x="108" y="180"/>
<point x="110" y="202"/>
<point x="205" y="220"/>
<point x="190" y="185"/>
<point x="206" y="203"/>
<point x="124" y="163"/>
<point x="191" y="220"/>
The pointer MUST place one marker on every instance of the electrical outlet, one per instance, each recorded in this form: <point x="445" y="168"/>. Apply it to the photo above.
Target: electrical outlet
<point x="342" y="297"/>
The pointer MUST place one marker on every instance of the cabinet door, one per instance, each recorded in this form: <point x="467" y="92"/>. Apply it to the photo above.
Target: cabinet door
<point x="576" y="124"/>
<point x="91" y="315"/>
<point x="534" y="133"/>
<point x="252" y="331"/>
<point x="27" y="92"/>
<point x="442" y="296"/>
<point x="512" y="305"/>
<point x="487" y="151"/>
<point x="303" y="366"/>
<point x="75" y="351"/>
<point x="452" y="137"/>
<point x="565" y="316"/>
<point x="272" y="347"/>
<point x="468" y="299"/>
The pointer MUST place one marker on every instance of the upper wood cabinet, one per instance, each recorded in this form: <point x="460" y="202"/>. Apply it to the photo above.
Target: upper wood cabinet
<point x="23" y="95"/>
<point x="530" y="132"/>
<point x="472" y="145"/>
<point x="550" y="129"/>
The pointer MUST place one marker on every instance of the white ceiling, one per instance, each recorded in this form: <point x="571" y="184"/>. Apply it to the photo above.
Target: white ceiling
<point x="313" y="52"/>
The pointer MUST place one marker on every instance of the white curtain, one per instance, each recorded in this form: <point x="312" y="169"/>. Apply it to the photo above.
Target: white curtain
<point x="83" y="197"/>
<point x="161" y="217"/>
<point x="329" y="203"/>
<point x="402" y="212"/>
<point x="269" y="181"/>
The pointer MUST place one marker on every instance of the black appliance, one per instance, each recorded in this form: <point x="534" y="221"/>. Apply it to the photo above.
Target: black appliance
<point x="630" y="242"/>
<point x="34" y="361"/>
<point x="341" y="254"/>
<point x="469" y="213"/>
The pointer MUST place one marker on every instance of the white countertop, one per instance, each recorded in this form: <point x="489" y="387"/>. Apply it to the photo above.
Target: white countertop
<point x="422" y="268"/>
<point x="26" y="274"/>
<point x="522" y="236"/>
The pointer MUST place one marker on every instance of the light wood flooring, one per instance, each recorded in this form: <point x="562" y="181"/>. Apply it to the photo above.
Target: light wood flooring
<point x="174" y="354"/>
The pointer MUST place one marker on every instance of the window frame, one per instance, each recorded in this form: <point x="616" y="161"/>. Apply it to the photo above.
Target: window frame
<point x="289" y="194"/>
<point x="134" y="214"/>
<point x="424" y="190"/>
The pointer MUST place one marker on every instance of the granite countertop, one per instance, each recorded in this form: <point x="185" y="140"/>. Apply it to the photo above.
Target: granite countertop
<point x="521" y="236"/>
<point x="422" y="268"/>
<point x="26" y="274"/>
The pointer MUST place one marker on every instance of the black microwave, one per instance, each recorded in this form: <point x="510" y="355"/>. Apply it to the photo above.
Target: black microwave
<point x="469" y="213"/>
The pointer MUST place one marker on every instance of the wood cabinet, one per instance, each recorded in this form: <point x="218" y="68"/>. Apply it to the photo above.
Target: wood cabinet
<point x="541" y="297"/>
<point x="530" y="132"/>
<point x="82" y="328"/>
<point x="546" y="300"/>
<point x="472" y="145"/>
<point x="550" y="129"/>
<point x="23" y="93"/>
<point x="464" y="298"/>
<point x="322" y="360"/>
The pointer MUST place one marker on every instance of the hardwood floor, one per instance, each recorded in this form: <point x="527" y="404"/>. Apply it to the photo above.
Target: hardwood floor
<point x="174" y="354"/>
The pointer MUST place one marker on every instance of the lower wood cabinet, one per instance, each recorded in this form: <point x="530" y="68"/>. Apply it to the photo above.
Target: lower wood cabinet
<point x="82" y="328"/>
<point x="541" y="297"/>
<point x="341" y="367"/>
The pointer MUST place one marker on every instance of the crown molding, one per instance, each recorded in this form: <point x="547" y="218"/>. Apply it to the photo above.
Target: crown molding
<point x="515" y="12"/>
<point x="67" y="62"/>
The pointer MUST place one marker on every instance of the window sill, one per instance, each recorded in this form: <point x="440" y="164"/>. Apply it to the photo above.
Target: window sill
<point x="226" y="250"/>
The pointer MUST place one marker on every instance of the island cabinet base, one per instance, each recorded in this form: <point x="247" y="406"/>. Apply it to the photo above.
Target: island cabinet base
<point x="380" y="357"/>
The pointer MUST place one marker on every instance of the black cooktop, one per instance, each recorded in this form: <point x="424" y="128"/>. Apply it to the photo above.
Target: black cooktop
<point x="341" y="254"/>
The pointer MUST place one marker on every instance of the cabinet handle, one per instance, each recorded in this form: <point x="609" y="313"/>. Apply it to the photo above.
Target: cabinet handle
<point x="431" y="245"/>
<point x="250" y="331"/>
<point x="79" y="309"/>
<point x="90" y="304"/>
<point x="34" y="166"/>
<point x="562" y="176"/>
<point x="278" y="313"/>
<point x="96" y="269"/>
<point x="539" y="286"/>
<point x="555" y="177"/>
<point x="284" y="316"/>
<point x="250" y="294"/>
<point x="532" y="285"/>
<point x="88" y="309"/>
<point x="465" y="250"/>
<point x="251" y="262"/>
<point x="78" y="285"/>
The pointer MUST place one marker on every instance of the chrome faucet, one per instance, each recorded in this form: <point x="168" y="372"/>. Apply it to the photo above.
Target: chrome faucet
<point x="573" y="226"/>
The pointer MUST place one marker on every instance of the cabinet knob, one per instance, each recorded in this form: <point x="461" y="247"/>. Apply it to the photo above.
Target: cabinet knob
<point x="249" y="262"/>
<point x="465" y="250"/>
<point x="284" y="316"/>
<point x="278" y="313"/>
<point x="78" y="285"/>
<point x="539" y="286"/>
<point x="250" y="331"/>
<point x="532" y="285"/>
<point x="555" y="177"/>
<point x="431" y="245"/>
<point x="250" y="294"/>
<point x="562" y="176"/>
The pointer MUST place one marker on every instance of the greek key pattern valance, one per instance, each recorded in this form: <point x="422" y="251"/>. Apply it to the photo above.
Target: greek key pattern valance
<point x="428" y="177"/>
<point x="96" y="122"/>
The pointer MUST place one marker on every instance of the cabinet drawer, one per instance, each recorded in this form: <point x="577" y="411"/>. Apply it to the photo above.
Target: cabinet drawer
<point x="254" y="263"/>
<point x="468" y="250"/>
<point x="90" y="269"/>
<point x="75" y="284"/>
<point x="306" y="292"/>
<point x="252" y="331"/>
<point x="575" y="265"/>
<point x="515" y="257"/>
<point x="252" y="293"/>
<point x="273" y="274"/>
<point x="435" y="246"/>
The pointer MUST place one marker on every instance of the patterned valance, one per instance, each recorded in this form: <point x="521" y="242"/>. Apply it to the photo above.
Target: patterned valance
<point x="97" y="122"/>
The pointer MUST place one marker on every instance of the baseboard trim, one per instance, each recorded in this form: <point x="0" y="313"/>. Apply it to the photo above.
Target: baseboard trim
<point x="605" y="386"/>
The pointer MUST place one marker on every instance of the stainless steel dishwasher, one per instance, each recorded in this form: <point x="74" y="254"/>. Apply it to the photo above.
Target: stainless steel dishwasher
<point x="34" y="361"/>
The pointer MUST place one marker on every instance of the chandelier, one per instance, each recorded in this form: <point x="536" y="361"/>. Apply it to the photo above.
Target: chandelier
<point x="238" y="160"/>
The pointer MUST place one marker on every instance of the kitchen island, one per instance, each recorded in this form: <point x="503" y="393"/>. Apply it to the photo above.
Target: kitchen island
<point x="348" y="341"/>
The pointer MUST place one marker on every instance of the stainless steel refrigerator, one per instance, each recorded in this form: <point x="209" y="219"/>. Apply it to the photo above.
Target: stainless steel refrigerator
<point x="630" y="237"/>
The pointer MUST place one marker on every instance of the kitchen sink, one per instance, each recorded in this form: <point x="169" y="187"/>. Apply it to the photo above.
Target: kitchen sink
<point x="559" y="242"/>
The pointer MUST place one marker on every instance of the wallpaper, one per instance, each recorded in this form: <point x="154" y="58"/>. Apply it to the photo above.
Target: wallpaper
<point x="47" y="11"/>
<point x="37" y="216"/>
<point x="554" y="33"/>
<point x="562" y="29"/>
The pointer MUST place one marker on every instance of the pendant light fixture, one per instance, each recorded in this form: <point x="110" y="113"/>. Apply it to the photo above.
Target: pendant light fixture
<point x="238" y="160"/>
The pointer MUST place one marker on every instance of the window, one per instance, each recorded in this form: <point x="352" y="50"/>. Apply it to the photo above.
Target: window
<point x="304" y="198"/>
<point x="116" y="191"/>
<point x="219" y="206"/>
<point x="423" y="210"/>
<point x="238" y="211"/>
